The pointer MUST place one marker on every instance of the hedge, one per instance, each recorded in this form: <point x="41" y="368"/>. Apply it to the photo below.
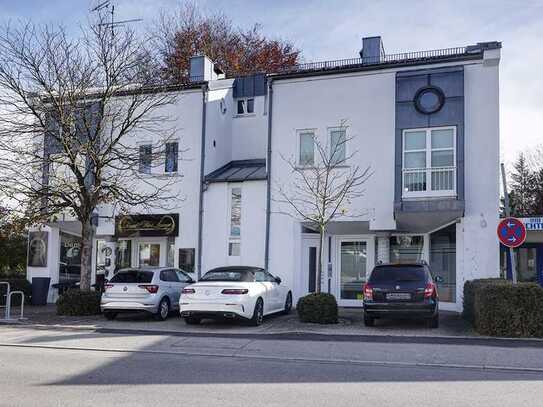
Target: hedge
<point x="470" y="287"/>
<point x="318" y="308"/>
<point x="500" y="308"/>
<point x="75" y="303"/>
<point x="16" y="284"/>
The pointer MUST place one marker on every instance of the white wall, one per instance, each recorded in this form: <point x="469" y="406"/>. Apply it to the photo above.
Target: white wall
<point x="250" y="132"/>
<point x="216" y="228"/>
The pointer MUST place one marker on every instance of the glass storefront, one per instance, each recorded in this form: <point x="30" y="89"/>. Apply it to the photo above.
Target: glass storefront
<point x="70" y="258"/>
<point x="149" y="254"/>
<point x="443" y="261"/>
<point x="353" y="269"/>
<point x="527" y="263"/>
<point x="123" y="254"/>
<point x="406" y="248"/>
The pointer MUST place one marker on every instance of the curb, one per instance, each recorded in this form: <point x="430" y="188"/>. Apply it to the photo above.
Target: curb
<point x="312" y="336"/>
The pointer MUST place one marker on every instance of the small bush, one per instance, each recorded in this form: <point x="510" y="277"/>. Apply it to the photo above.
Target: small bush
<point x="16" y="284"/>
<point x="318" y="308"/>
<point x="509" y="310"/>
<point x="75" y="302"/>
<point x="468" y="312"/>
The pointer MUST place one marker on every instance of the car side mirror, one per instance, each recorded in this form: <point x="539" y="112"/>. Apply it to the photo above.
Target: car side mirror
<point x="278" y="280"/>
<point x="439" y="279"/>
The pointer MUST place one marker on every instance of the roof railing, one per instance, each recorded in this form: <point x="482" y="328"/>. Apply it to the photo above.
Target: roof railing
<point x="405" y="57"/>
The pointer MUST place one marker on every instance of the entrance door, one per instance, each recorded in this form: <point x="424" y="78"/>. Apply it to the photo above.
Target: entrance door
<point x="355" y="261"/>
<point x="310" y="253"/>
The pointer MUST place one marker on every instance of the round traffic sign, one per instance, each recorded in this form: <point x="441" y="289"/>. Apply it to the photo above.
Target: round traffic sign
<point x="511" y="232"/>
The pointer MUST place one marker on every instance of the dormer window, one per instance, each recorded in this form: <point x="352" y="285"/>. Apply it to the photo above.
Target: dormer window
<point x="246" y="106"/>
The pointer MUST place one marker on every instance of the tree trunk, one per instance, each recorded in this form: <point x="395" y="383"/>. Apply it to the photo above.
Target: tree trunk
<point x="86" y="256"/>
<point x="320" y="262"/>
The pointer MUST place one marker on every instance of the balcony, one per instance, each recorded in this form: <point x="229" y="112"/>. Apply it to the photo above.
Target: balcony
<point x="442" y="182"/>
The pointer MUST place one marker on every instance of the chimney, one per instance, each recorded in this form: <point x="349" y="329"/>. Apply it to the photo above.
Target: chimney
<point x="203" y="69"/>
<point x="372" y="51"/>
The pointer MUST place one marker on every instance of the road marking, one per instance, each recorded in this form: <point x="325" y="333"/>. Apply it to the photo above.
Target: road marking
<point x="288" y="359"/>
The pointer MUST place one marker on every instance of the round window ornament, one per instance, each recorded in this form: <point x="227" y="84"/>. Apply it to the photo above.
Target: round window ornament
<point x="429" y="99"/>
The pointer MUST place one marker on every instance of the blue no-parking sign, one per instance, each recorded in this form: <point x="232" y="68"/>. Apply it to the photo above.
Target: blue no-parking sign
<point x="511" y="232"/>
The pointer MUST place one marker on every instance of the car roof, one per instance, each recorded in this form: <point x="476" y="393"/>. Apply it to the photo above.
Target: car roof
<point x="413" y="264"/>
<point x="237" y="268"/>
<point x="152" y="269"/>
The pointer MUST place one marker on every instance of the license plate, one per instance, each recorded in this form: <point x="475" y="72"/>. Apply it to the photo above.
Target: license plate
<point x="398" y="296"/>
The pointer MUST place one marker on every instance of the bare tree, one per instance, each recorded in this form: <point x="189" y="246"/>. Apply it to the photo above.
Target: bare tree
<point x="322" y="187"/>
<point x="70" y="114"/>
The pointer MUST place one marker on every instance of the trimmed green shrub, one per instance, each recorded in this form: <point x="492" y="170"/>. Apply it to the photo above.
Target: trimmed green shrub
<point x="16" y="284"/>
<point x="318" y="308"/>
<point x="468" y="312"/>
<point x="509" y="310"/>
<point x="75" y="302"/>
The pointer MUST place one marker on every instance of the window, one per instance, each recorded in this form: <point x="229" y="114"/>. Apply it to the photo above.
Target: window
<point x="169" y="275"/>
<point x="307" y="148"/>
<point x="149" y="254"/>
<point x="234" y="245"/>
<point x="145" y="158"/>
<point x="186" y="260"/>
<point x="182" y="276"/>
<point x="246" y="106"/>
<point x="429" y="161"/>
<point x="132" y="276"/>
<point x="338" y="141"/>
<point x="406" y="248"/>
<point x="123" y="254"/>
<point x="170" y="163"/>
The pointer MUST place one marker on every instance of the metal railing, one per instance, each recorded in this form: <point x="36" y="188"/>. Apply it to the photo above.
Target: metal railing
<point x="9" y="294"/>
<point x="414" y="57"/>
<point x="433" y="180"/>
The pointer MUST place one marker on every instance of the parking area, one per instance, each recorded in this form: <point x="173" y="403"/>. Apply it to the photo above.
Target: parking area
<point x="350" y="323"/>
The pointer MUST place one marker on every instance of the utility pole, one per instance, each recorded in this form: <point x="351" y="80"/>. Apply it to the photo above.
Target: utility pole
<point x="508" y="214"/>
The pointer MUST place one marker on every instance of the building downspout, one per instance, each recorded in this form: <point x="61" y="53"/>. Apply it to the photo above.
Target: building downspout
<point x="268" y="165"/>
<point x="202" y="183"/>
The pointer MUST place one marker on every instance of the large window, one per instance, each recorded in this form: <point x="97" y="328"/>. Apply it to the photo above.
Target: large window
<point x="306" y="155"/>
<point x="406" y="248"/>
<point x="429" y="161"/>
<point x="338" y="141"/>
<point x="443" y="261"/>
<point x="149" y="254"/>
<point x="170" y="163"/>
<point x="145" y="158"/>
<point x="123" y="255"/>
<point x="234" y="244"/>
<point x="187" y="260"/>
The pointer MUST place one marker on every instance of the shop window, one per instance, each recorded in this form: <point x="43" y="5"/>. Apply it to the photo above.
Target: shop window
<point x="406" y="248"/>
<point x="149" y="254"/>
<point x="123" y="254"/>
<point x="443" y="261"/>
<point x="526" y="264"/>
<point x="187" y="260"/>
<point x="70" y="258"/>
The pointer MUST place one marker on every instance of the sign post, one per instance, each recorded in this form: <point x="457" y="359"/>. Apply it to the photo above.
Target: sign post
<point x="506" y="233"/>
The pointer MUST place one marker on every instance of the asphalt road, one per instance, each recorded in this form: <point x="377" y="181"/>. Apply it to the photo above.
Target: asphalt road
<point x="44" y="368"/>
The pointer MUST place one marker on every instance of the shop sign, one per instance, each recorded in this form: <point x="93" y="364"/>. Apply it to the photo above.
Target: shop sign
<point x="533" y="223"/>
<point x="147" y="225"/>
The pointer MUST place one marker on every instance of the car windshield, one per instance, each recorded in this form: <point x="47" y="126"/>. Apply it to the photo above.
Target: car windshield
<point x="228" y="275"/>
<point x="132" y="276"/>
<point x="395" y="273"/>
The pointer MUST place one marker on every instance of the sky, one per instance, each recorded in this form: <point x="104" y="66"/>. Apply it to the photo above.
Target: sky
<point x="326" y="30"/>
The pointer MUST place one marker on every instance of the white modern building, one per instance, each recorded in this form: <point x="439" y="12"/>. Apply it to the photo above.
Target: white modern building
<point x="426" y="123"/>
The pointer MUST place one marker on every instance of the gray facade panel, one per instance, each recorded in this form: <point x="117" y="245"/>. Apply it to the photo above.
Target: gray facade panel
<point x="249" y="86"/>
<point x="451" y="82"/>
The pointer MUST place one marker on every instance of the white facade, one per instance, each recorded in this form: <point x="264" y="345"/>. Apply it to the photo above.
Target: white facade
<point x="364" y="101"/>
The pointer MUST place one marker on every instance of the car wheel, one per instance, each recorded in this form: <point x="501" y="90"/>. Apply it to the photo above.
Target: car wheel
<point x="434" y="322"/>
<point x="258" y="314"/>
<point x="163" y="310"/>
<point x="369" y="321"/>
<point x="192" y="321"/>
<point x="110" y="315"/>
<point x="288" y="304"/>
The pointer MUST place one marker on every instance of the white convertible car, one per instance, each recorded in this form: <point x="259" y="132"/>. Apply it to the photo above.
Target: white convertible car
<point x="236" y="292"/>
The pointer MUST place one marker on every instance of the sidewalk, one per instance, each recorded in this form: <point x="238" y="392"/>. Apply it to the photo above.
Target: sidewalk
<point x="350" y="323"/>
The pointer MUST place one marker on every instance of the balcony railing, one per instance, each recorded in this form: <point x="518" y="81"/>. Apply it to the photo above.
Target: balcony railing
<point x="402" y="58"/>
<point x="434" y="181"/>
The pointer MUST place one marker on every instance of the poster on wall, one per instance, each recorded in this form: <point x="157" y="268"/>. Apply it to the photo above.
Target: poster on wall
<point x="37" y="249"/>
